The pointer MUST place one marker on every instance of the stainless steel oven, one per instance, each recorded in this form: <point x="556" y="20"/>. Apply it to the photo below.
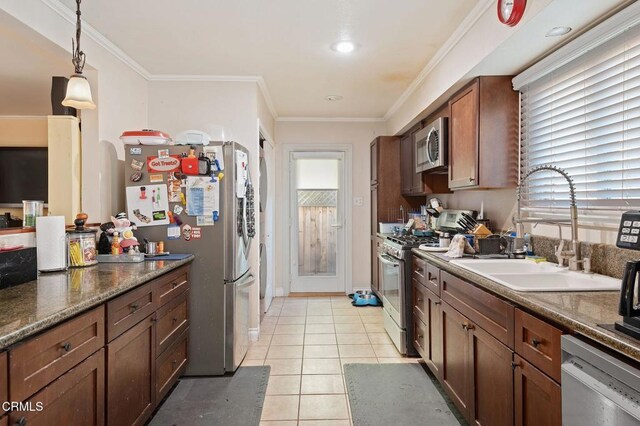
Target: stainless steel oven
<point x="393" y="281"/>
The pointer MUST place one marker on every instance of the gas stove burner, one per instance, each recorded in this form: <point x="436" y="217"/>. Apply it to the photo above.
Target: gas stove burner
<point x="413" y="241"/>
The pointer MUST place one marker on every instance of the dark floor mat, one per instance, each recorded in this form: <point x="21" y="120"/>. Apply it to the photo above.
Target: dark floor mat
<point x="397" y="394"/>
<point x="226" y="400"/>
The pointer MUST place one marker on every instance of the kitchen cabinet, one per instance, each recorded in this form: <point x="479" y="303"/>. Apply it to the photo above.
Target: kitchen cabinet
<point x="75" y="398"/>
<point x="483" y="135"/>
<point x="538" y="399"/>
<point x="456" y="361"/>
<point x="4" y="380"/>
<point x="406" y="162"/>
<point x="492" y="379"/>
<point x="466" y="338"/>
<point x="131" y="373"/>
<point x="4" y="421"/>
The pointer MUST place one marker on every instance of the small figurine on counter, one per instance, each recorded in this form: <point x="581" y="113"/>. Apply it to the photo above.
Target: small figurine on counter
<point x="123" y="228"/>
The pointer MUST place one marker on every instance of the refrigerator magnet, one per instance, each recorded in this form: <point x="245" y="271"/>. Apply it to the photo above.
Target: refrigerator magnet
<point x="136" y="177"/>
<point x="204" y="220"/>
<point x="136" y="165"/>
<point x="156" y="178"/>
<point x="159" y="215"/>
<point x="135" y="151"/>
<point x="177" y="209"/>
<point x="173" y="232"/>
<point x="186" y="232"/>
<point x="163" y="153"/>
<point x="163" y="164"/>
<point x="196" y="233"/>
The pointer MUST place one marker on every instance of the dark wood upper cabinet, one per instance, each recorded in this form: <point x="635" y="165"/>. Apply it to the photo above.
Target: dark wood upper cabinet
<point x="483" y="135"/>
<point x="131" y="375"/>
<point x="406" y="160"/>
<point x="492" y="378"/>
<point x="538" y="399"/>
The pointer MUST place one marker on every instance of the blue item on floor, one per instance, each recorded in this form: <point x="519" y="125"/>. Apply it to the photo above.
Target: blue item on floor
<point x="176" y="256"/>
<point x="365" y="298"/>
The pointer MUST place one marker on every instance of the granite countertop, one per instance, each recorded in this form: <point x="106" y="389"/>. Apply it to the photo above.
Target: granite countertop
<point x="29" y="308"/>
<point x="584" y="311"/>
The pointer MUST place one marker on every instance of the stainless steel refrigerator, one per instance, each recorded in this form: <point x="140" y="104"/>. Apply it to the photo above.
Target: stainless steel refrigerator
<point x="221" y="279"/>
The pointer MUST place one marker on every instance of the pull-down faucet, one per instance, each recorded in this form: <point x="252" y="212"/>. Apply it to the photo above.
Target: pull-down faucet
<point x="573" y="255"/>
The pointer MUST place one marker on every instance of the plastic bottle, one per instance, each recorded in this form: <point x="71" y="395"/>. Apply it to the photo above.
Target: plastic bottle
<point x="115" y="244"/>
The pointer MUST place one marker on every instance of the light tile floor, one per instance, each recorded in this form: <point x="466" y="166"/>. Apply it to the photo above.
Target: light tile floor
<point x="306" y="341"/>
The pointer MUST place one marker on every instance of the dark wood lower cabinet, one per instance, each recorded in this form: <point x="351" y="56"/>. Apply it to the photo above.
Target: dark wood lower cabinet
<point x="456" y="377"/>
<point x="492" y="378"/>
<point x="75" y="398"/>
<point x="538" y="400"/>
<point x="131" y="375"/>
<point x="4" y="421"/>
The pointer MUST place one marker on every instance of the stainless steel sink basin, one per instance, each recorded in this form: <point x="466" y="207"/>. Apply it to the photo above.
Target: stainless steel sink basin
<point x="526" y="275"/>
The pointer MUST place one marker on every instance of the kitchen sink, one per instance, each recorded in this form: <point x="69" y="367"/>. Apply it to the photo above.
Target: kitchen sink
<point x="526" y="275"/>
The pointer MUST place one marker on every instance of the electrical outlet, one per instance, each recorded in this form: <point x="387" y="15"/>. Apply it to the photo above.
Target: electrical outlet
<point x="358" y="201"/>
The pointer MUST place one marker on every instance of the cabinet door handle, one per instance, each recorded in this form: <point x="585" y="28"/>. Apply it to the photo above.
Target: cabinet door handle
<point x="468" y="326"/>
<point x="22" y="421"/>
<point x="420" y="336"/>
<point x="419" y="299"/>
<point x="437" y="302"/>
<point x="535" y="342"/>
<point x="472" y="179"/>
<point x="175" y="320"/>
<point x="514" y="365"/>
<point x="66" y="347"/>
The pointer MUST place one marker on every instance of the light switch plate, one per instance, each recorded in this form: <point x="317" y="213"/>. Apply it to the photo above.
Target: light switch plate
<point x="358" y="201"/>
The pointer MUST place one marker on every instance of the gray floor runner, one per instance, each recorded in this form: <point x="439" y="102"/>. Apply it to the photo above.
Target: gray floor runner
<point x="226" y="400"/>
<point x="397" y="394"/>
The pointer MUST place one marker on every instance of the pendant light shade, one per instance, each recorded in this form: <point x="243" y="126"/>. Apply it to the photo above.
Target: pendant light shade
<point x="78" y="93"/>
<point x="78" y="90"/>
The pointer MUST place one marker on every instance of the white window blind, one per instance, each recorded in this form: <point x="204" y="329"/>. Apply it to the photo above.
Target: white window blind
<point x="584" y="117"/>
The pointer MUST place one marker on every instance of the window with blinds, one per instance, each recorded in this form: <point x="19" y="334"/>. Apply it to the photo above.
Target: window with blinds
<point x="584" y="117"/>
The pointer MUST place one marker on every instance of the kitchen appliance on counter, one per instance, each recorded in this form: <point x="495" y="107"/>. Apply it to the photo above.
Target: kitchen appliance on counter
<point x="396" y="287"/>
<point x="431" y="146"/>
<point x="221" y="279"/>
<point x="629" y="308"/>
<point x="597" y="389"/>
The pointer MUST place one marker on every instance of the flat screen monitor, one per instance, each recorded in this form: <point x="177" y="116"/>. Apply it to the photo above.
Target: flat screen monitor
<point x="23" y="175"/>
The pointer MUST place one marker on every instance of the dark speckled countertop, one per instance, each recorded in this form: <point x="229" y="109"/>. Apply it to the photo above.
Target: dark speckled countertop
<point x="29" y="308"/>
<point x="582" y="312"/>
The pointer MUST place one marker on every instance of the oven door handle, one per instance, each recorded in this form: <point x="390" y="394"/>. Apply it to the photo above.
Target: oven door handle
<point x="384" y="259"/>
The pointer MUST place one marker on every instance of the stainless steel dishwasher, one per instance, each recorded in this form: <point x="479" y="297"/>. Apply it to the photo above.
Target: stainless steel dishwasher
<point x="597" y="389"/>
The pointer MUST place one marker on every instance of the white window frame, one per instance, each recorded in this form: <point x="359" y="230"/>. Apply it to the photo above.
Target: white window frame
<point x="614" y="26"/>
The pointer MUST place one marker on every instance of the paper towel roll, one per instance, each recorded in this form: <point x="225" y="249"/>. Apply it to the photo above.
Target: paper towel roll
<point x="51" y="243"/>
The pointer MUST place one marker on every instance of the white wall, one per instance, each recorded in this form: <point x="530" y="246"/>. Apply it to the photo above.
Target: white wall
<point x="175" y="106"/>
<point x="119" y="92"/>
<point x="359" y="136"/>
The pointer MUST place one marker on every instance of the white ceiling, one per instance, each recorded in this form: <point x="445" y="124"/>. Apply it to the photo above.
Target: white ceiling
<point x="287" y="42"/>
<point x="28" y="63"/>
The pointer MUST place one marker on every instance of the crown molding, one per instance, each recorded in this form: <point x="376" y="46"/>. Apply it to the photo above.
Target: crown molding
<point x="95" y="35"/>
<point x="464" y="27"/>
<point x="332" y="119"/>
<point x="600" y="34"/>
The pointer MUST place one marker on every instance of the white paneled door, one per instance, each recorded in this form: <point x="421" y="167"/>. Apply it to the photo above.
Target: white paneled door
<point x="317" y="221"/>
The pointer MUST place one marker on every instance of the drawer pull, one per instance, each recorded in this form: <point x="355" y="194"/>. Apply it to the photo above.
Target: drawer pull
<point x="175" y="320"/>
<point x="420" y="336"/>
<point x="437" y="302"/>
<point x="22" y="421"/>
<point x="467" y="326"/>
<point x="174" y="363"/>
<point x="134" y="307"/>
<point x="174" y="284"/>
<point x="535" y="342"/>
<point x="419" y="299"/>
<point x="66" y="347"/>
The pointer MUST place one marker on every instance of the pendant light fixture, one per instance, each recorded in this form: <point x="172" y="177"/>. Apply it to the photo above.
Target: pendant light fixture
<point x="78" y="89"/>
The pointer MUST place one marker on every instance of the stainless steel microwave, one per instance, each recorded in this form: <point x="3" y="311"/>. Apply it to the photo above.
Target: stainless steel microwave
<point x="431" y="146"/>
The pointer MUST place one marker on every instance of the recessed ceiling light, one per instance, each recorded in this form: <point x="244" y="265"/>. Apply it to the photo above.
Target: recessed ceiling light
<point x="558" y="31"/>
<point x="333" y="98"/>
<point x="343" y="46"/>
